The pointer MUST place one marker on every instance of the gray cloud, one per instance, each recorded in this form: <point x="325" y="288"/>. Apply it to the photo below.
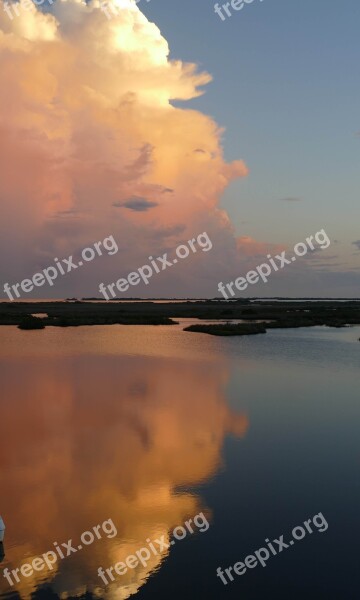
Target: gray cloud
<point x="328" y="264"/>
<point x="136" y="204"/>
<point x="318" y="254"/>
<point x="357" y="244"/>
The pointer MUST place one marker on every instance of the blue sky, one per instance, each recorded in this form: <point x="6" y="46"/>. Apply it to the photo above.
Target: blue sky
<point x="286" y="88"/>
<point x="89" y="98"/>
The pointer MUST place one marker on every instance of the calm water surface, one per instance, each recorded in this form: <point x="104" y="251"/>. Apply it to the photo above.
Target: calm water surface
<point x="149" y="426"/>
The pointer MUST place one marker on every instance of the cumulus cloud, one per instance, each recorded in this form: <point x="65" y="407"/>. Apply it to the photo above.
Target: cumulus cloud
<point x="87" y="118"/>
<point x="88" y="124"/>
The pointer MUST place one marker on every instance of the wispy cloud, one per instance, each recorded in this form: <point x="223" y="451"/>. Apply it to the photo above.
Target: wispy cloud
<point x="136" y="204"/>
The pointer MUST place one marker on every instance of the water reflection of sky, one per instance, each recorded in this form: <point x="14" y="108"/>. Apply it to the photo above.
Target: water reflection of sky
<point x="132" y="423"/>
<point x="88" y="438"/>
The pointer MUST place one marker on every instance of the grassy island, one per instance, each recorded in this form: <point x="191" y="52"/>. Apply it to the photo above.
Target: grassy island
<point x="228" y="329"/>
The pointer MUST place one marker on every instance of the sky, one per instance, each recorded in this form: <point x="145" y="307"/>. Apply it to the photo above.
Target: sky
<point x="164" y="122"/>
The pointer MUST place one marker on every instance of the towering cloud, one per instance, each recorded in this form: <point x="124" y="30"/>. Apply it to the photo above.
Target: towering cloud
<point x="87" y="125"/>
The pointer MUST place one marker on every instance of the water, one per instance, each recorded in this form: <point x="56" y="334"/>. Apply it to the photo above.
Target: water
<point x="146" y="427"/>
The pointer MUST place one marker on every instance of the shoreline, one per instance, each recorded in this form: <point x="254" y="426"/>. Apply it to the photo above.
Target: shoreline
<point x="283" y="314"/>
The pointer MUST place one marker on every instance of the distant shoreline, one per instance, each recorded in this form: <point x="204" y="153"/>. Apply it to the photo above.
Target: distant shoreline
<point x="283" y="314"/>
<point x="250" y="299"/>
